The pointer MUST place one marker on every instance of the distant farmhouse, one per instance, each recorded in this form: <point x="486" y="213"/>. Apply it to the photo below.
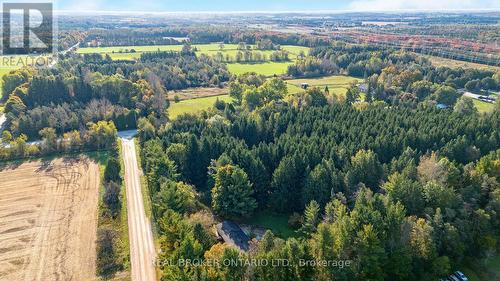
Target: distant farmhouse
<point x="233" y="235"/>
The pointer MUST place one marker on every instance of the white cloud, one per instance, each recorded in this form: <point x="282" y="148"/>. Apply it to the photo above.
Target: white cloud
<point x="391" y="5"/>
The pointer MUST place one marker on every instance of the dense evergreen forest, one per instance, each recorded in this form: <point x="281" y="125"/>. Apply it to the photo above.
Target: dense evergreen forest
<point x="404" y="191"/>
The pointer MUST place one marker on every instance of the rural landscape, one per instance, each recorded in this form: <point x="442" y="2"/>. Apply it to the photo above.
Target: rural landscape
<point x="218" y="143"/>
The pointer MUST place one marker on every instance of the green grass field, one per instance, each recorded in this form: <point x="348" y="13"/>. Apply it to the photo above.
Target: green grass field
<point x="194" y="105"/>
<point x="483" y="107"/>
<point x="266" y="68"/>
<point x="337" y="84"/>
<point x="278" y="224"/>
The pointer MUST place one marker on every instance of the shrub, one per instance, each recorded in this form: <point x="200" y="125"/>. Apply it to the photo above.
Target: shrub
<point x="106" y="260"/>
<point x="112" y="198"/>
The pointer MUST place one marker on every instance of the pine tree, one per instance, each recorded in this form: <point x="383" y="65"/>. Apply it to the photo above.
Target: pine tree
<point x="232" y="195"/>
<point x="311" y="218"/>
<point x="318" y="186"/>
<point x="370" y="254"/>
<point x="365" y="168"/>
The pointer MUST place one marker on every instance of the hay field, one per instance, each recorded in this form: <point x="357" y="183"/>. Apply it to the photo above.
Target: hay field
<point x="194" y="106"/>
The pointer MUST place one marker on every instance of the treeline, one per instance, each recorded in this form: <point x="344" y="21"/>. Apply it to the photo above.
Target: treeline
<point x="201" y="71"/>
<point x="247" y="56"/>
<point x="481" y="31"/>
<point x="95" y="137"/>
<point x="68" y="117"/>
<point x="47" y="100"/>
<point x="345" y="58"/>
<point x="131" y="37"/>
<point x="390" y="188"/>
<point x="199" y="35"/>
<point x="183" y="223"/>
<point x="112" y="249"/>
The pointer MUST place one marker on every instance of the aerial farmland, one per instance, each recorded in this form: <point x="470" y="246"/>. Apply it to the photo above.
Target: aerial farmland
<point x="48" y="212"/>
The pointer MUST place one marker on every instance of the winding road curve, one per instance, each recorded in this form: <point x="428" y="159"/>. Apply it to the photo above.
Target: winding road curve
<point x="142" y="251"/>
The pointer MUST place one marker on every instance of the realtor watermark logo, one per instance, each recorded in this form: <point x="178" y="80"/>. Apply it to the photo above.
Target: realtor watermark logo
<point x="28" y="34"/>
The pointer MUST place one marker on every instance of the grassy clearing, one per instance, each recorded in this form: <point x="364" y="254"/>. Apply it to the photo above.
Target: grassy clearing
<point x="194" y="105"/>
<point x="278" y="224"/>
<point x="292" y="89"/>
<point x="483" y="107"/>
<point x="438" y="61"/>
<point x="338" y="91"/>
<point x="337" y="84"/>
<point x="265" y="68"/>
<point x="125" y="56"/>
<point x="335" y="80"/>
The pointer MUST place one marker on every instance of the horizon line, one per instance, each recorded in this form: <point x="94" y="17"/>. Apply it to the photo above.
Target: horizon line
<point x="318" y="11"/>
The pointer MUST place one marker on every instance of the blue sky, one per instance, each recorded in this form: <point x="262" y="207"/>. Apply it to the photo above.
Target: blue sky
<point x="272" y="5"/>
